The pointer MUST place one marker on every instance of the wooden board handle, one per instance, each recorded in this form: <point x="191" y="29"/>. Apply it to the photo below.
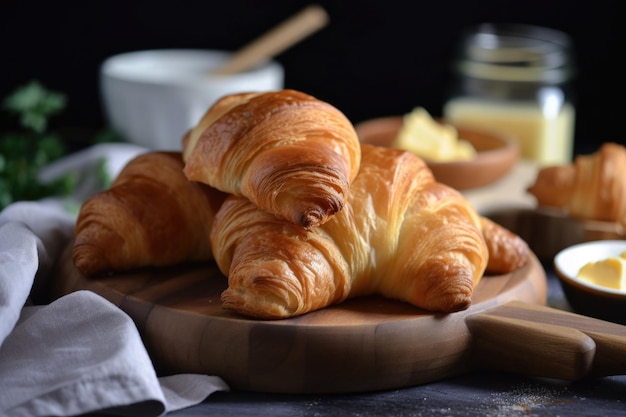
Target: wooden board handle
<point x="545" y="342"/>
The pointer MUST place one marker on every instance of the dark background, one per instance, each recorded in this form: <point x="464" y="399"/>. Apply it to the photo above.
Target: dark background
<point x="375" y="58"/>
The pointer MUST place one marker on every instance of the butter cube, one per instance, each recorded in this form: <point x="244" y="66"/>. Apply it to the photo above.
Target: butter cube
<point x="427" y="138"/>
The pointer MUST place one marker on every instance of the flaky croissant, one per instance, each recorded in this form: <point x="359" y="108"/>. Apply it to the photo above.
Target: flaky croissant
<point x="150" y="216"/>
<point x="401" y="234"/>
<point x="592" y="188"/>
<point x="288" y="152"/>
<point x="507" y="250"/>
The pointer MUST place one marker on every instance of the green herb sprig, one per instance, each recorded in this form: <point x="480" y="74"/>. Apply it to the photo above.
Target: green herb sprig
<point x="24" y="152"/>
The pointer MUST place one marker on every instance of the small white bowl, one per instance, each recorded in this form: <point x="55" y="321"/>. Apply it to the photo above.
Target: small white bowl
<point x="151" y="98"/>
<point x="584" y="297"/>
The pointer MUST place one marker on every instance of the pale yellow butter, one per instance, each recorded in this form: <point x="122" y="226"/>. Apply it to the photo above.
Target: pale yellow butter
<point x="609" y="272"/>
<point x="427" y="138"/>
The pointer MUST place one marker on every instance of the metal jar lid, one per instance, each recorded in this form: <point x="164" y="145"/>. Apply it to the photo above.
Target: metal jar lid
<point x="515" y="52"/>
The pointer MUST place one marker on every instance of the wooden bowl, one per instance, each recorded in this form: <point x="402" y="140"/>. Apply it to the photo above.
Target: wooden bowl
<point x="496" y="154"/>
<point x="586" y="298"/>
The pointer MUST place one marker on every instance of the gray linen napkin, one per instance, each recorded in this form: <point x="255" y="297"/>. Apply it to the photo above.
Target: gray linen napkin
<point x="80" y="353"/>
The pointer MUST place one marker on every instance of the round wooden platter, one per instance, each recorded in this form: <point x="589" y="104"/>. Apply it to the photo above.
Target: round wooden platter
<point x="363" y="344"/>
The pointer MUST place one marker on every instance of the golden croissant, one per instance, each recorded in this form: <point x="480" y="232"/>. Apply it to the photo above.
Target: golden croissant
<point x="592" y="188"/>
<point x="401" y="234"/>
<point x="288" y="152"/>
<point x="150" y="216"/>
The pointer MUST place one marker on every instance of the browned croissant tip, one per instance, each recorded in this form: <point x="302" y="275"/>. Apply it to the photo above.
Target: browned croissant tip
<point x="234" y="301"/>
<point x="89" y="259"/>
<point x="450" y="301"/>
<point x="553" y="185"/>
<point x="456" y="304"/>
<point x="311" y="219"/>
<point x="314" y="217"/>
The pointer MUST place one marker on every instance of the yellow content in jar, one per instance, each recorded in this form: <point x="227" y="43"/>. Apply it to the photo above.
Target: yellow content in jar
<point x="544" y="135"/>
<point x="433" y="141"/>
<point x="609" y="272"/>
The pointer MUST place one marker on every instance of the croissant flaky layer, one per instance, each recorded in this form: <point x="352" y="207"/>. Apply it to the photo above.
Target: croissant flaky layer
<point x="401" y="234"/>
<point x="288" y="152"/>
<point x="507" y="251"/>
<point x="592" y="188"/>
<point x="151" y="216"/>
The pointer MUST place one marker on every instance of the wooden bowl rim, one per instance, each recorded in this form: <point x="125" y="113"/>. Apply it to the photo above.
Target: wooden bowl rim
<point x="506" y="143"/>
<point x="498" y="159"/>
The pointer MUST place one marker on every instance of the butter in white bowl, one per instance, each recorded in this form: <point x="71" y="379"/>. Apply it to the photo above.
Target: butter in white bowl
<point x="609" y="272"/>
<point x="599" y="263"/>
<point x="592" y="275"/>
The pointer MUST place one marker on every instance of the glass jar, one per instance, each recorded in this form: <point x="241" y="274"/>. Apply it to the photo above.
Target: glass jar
<point x="516" y="79"/>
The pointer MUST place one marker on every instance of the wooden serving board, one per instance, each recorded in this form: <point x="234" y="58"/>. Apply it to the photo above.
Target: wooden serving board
<point x="363" y="344"/>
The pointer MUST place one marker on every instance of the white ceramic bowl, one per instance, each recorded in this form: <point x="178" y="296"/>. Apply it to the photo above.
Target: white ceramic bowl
<point x="151" y="98"/>
<point x="584" y="297"/>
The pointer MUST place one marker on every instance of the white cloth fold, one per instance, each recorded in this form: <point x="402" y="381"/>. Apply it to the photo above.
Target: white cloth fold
<point x="76" y="355"/>
<point x="80" y="353"/>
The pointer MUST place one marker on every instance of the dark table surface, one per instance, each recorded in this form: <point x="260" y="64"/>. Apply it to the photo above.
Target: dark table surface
<point x="485" y="394"/>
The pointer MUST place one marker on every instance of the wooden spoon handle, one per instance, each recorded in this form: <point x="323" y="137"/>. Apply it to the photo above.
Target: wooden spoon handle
<point x="276" y="40"/>
<point x="546" y="342"/>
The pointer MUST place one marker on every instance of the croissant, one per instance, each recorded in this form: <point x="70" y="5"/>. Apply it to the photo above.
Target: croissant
<point x="288" y="152"/>
<point x="592" y="188"/>
<point x="401" y="234"/>
<point x="507" y="251"/>
<point x="150" y="216"/>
